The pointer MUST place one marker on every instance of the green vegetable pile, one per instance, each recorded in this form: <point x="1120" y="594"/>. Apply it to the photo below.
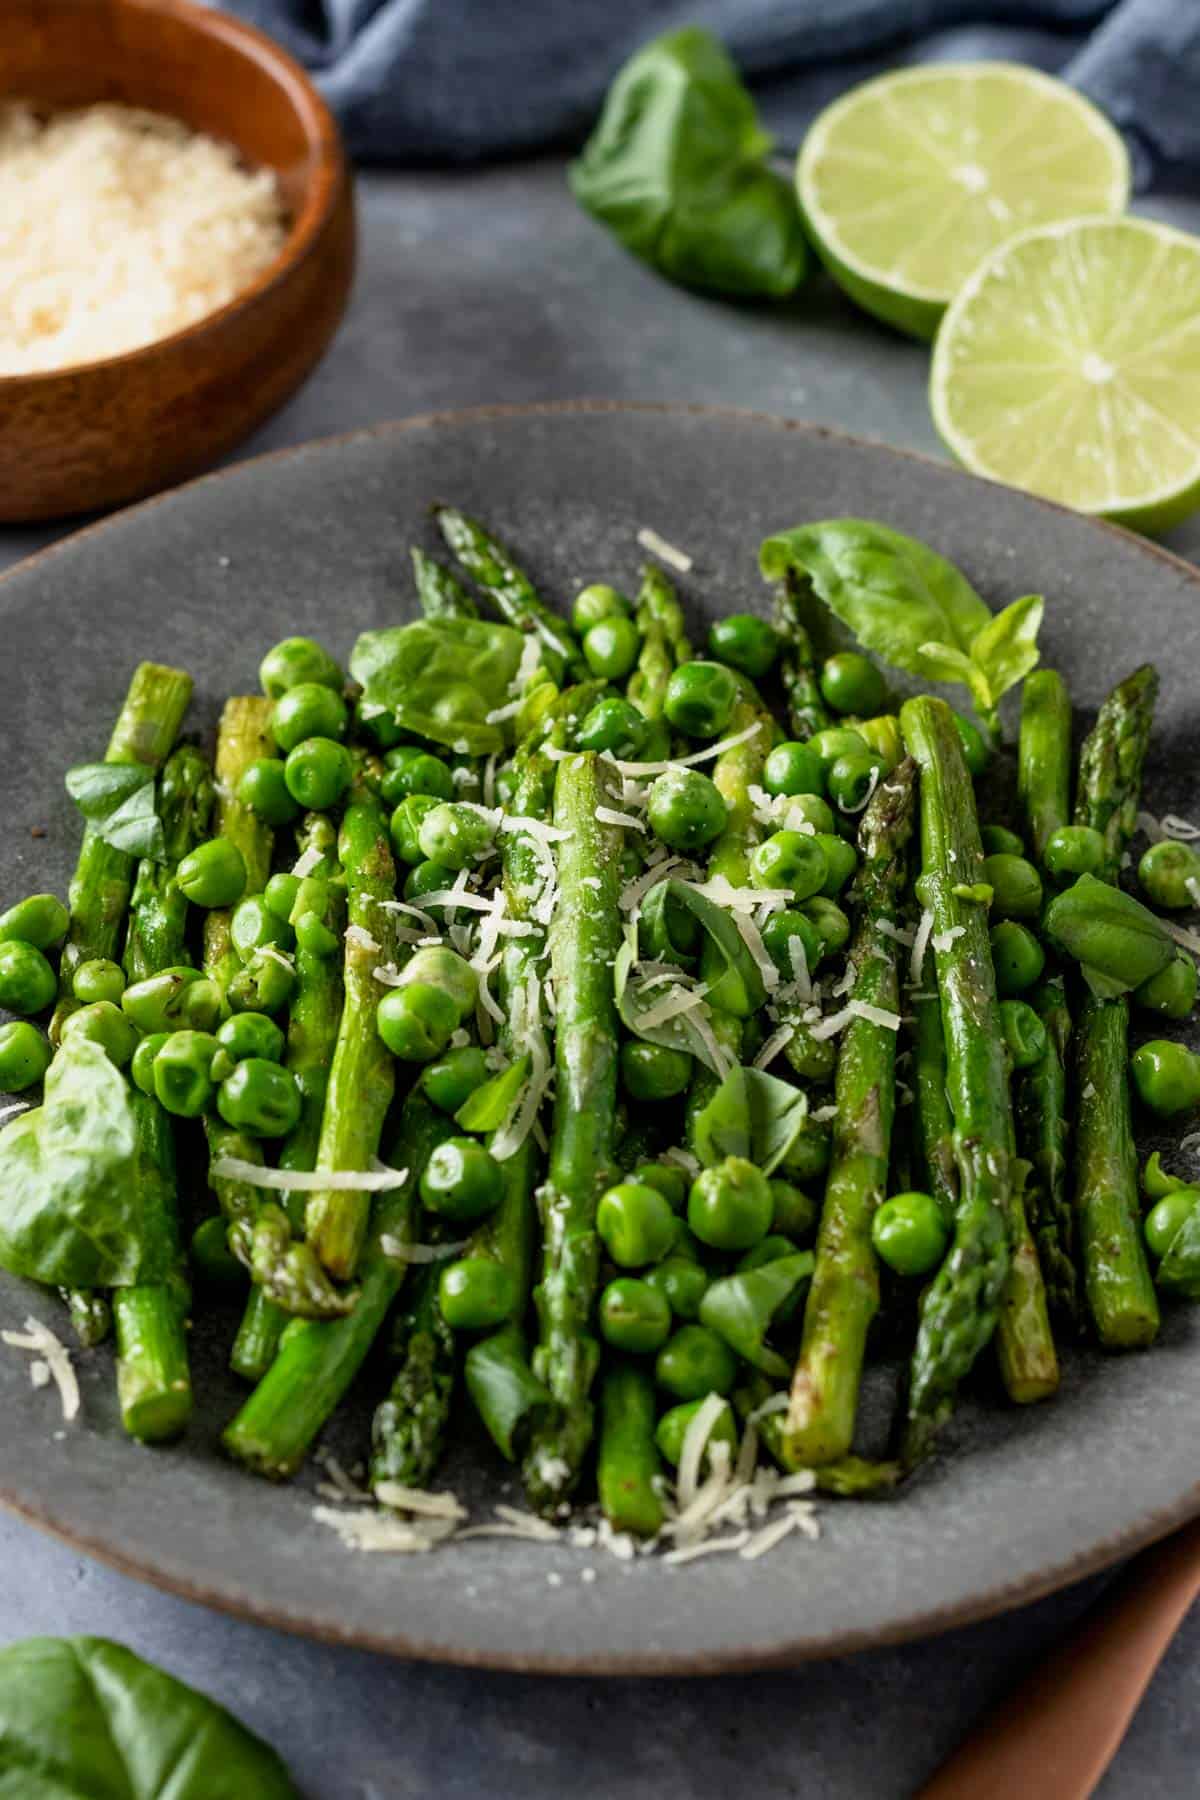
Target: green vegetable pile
<point x="640" y="1042"/>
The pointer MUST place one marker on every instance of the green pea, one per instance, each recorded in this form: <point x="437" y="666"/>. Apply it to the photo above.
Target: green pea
<point x="106" y="1025"/>
<point x="793" y="769"/>
<point x="212" y="1259"/>
<point x="141" y="1067"/>
<point x="777" y="936"/>
<point x="263" y="985"/>
<point x="264" y="789"/>
<point x="1018" y="957"/>
<point x="974" y="744"/>
<point x="314" y="936"/>
<point x="317" y="773"/>
<point x="852" y="779"/>
<point x="810" y="809"/>
<point x="653" y="1071"/>
<point x="835" y="741"/>
<point x="700" y="699"/>
<point x="213" y="874"/>
<point x="730" y="1206"/>
<point x="254" y="926"/>
<point x="1165" y="1220"/>
<point x="406" y="823"/>
<point x="793" y="1214"/>
<point x="809" y="1156"/>
<point x="685" y="809"/>
<point x="636" y="1224"/>
<point x="673" y="1428"/>
<point x="309" y="710"/>
<point x="1172" y="992"/>
<point x="416" y="1023"/>
<point x="455" y="835"/>
<point x="1165" y="872"/>
<point x="98" y="979"/>
<point x="280" y="896"/>
<point x="746" y="642"/>
<point x="611" y="646"/>
<point x="613" y="725"/>
<point x="595" y="603"/>
<point x="24" y="1056"/>
<point x="1167" y="1077"/>
<point x="634" y="1316"/>
<point x="427" y="878"/>
<point x="461" y="1180"/>
<point x="830" y="921"/>
<point x="682" y="1282"/>
<point x="451" y="1080"/>
<point x="841" y="860"/>
<point x="1074" y="850"/>
<point x="295" y="661"/>
<point x="850" y="683"/>
<point x="1024" y="1033"/>
<point x="670" y="1180"/>
<point x="40" y="920"/>
<point x="259" y="1098"/>
<point x="909" y="1234"/>
<point x="27" y="983"/>
<point x="1016" y="886"/>
<point x="791" y="860"/>
<point x="251" y="1034"/>
<point x="694" y="1363"/>
<point x="882" y="736"/>
<point x="411" y="770"/>
<point x="183" y="1081"/>
<point x="476" y="1294"/>
<point x="440" y="967"/>
<point x="998" y="840"/>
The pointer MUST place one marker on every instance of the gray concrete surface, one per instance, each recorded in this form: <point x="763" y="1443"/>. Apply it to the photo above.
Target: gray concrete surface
<point x="489" y="287"/>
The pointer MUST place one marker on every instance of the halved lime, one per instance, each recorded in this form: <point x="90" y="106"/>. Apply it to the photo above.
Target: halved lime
<point x="907" y="182"/>
<point x="1069" y="364"/>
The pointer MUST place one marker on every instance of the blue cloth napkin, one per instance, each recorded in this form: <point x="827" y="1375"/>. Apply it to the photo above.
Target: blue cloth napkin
<point x="460" y="80"/>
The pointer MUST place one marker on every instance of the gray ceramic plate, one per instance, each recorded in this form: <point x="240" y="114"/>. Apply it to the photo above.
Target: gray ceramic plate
<point x="316" y="541"/>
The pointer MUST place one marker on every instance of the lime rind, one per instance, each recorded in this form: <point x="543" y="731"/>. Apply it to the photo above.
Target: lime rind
<point x="979" y="158"/>
<point x="1024" y="381"/>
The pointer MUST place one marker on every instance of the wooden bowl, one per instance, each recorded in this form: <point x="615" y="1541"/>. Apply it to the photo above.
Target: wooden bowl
<point x="100" y="433"/>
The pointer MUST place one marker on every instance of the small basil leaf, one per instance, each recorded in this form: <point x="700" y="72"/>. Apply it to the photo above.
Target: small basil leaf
<point x="740" y="1308"/>
<point x="1007" y="648"/>
<point x="489" y="1106"/>
<point x="752" y="1115"/>
<point x="726" y="958"/>
<point x="82" y="1717"/>
<point x="98" y="789"/>
<point x="944" y="664"/>
<point x="440" y="678"/>
<point x="508" y="1396"/>
<point x="676" y="169"/>
<point x="895" y="594"/>
<point x="639" y="1001"/>
<point x="135" y="827"/>
<point x="667" y="931"/>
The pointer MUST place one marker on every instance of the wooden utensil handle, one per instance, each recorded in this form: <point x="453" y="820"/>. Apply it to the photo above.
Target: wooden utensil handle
<point x="1053" y="1738"/>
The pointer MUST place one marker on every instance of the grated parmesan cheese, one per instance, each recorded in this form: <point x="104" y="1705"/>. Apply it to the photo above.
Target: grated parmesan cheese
<point x="920" y="945"/>
<point x="119" y="227"/>
<point x="54" y="1356"/>
<point x="308" y="1181"/>
<point x="658" y="546"/>
<point x="1175" y="827"/>
<point x="942" y="940"/>
<point x="399" y="1251"/>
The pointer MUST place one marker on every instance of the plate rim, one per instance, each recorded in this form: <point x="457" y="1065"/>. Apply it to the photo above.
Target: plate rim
<point x="991" y="1601"/>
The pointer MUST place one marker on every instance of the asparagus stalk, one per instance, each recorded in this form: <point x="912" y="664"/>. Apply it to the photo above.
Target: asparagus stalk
<point x="90" y="1312"/>
<point x="665" y="645"/>
<point x="806" y="708"/>
<point x="844" y="1296"/>
<point x="1040" y="1109"/>
<point x="243" y="737"/>
<point x="933" y="1121"/>
<point x="146" y="728"/>
<point x="962" y="1305"/>
<point x="441" y="595"/>
<point x="158" y="914"/>
<point x="627" y="1461"/>
<point x="154" y="1384"/>
<point x="1117" y="1280"/>
<point x="1044" y="757"/>
<point x="362" y="1076"/>
<point x="319" y="1358"/>
<point x="585" y="935"/>
<point x="311" y="1037"/>
<point x="409" y="1426"/>
<point x="489" y="564"/>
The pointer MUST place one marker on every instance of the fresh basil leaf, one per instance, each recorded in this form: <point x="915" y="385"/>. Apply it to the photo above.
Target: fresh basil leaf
<point x="944" y="664"/>
<point x="508" y="1396"/>
<point x="667" y="930"/>
<point x="82" y="1207"/>
<point x="740" y="1308"/>
<point x="82" y="1717"/>
<point x="676" y="168"/>
<point x="752" y="1115"/>
<point x="117" y="800"/>
<point x="440" y="678"/>
<point x="136" y="828"/>
<point x="637" y="999"/>
<point x="725" y="959"/>
<point x="895" y="594"/>
<point x="1007" y="647"/>
<point x="490" y="1105"/>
